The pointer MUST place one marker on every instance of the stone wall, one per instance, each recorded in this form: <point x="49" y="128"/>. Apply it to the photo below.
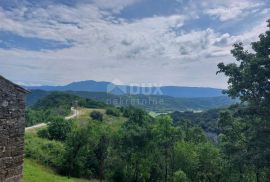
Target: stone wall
<point x="12" y="123"/>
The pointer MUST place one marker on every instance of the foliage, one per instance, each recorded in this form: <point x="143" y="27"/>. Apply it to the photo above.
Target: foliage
<point x="89" y="103"/>
<point x="113" y="111"/>
<point x="166" y="136"/>
<point x="43" y="133"/>
<point x="36" y="116"/>
<point x="200" y="162"/>
<point x="76" y="152"/>
<point x="134" y="146"/>
<point x="55" y="104"/>
<point x="45" y="151"/>
<point x="180" y="176"/>
<point x="96" y="115"/>
<point x="208" y="120"/>
<point x="59" y="103"/>
<point x="59" y="128"/>
<point x="142" y="149"/>
<point x="127" y="111"/>
<point x="246" y="130"/>
<point x="33" y="172"/>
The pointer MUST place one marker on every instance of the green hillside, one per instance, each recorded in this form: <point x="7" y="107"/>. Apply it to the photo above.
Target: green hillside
<point x="55" y="104"/>
<point x="44" y="157"/>
<point x="127" y="144"/>
<point x="149" y="103"/>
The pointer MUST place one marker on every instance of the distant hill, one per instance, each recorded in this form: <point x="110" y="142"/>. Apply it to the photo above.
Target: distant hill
<point x="34" y="96"/>
<point x="173" y="91"/>
<point x="150" y="103"/>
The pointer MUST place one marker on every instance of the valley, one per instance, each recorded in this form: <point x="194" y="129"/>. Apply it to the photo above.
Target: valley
<point x="150" y="103"/>
<point x="62" y="145"/>
<point x="134" y="91"/>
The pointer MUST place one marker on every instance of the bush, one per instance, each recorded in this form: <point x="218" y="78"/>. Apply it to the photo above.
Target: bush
<point x="43" y="133"/>
<point x="96" y="115"/>
<point x="58" y="129"/>
<point x="113" y="112"/>
<point x="89" y="103"/>
<point x="127" y="111"/>
<point x="44" y="151"/>
<point x="36" y="116"/>
<point x="180" y="176"/>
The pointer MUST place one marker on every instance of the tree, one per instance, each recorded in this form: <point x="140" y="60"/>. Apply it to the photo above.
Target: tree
<point x="187" y="158"/>
<point x="101" y="154"/>
<point x="37" y="116"/>
<point x="59" y="128"/>
<point x="76" y="151"/>
<point x="134" y="146"/>
<point x="198" y="161"/>
<point x="166" y="137"/>
<point x="96" y="115"/>
<point x="180" y="176"/>
<point x="249" y="80"/>
<point x="234" y="141"/>
<point x="113" y="112"/>
<point x="210" y="163"/>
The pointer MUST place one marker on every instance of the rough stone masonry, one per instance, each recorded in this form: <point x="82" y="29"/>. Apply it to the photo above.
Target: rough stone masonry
<point x="12" y="124"/>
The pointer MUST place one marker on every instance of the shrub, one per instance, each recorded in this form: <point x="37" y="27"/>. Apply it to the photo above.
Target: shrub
<point x="96" y="115"/>
<point x="44" y="151"/>
<point x="127" y="111"/>
<point x="58" y="129"/>
<point x="89" y="103"/>
<point x="180" y="176"/>
<point x="113" y="112"/>
<point x="36" y="116"/>
<point x="43" y="133"/>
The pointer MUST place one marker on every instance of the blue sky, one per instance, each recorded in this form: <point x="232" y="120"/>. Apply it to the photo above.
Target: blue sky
<point x="165" y="42"/>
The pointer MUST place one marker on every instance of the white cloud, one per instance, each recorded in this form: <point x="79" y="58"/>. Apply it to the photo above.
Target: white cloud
<point x="108" y="48"/>
<point x="233" y="9"/>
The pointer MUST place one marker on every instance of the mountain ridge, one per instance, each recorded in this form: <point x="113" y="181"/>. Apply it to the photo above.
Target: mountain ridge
<point x="109" y="87"/>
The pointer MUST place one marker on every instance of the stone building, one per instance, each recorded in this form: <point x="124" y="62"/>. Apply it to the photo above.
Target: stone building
<point x="12" y="124"/>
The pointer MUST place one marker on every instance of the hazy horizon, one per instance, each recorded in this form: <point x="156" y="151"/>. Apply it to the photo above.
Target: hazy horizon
<point x="121" y="84"/>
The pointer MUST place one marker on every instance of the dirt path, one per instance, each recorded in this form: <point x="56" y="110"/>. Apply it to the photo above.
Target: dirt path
<point x="74" y="114"/>
<point x="40" y="125"/>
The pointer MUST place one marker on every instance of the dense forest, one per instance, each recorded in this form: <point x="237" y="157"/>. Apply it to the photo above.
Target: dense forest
<point x="127" y="144"/>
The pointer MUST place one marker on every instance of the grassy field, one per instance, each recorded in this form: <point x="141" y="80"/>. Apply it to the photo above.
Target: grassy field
<point x="113" y="122"/>
<point x="34" y="172"/>
<point x="84" y="115"/>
